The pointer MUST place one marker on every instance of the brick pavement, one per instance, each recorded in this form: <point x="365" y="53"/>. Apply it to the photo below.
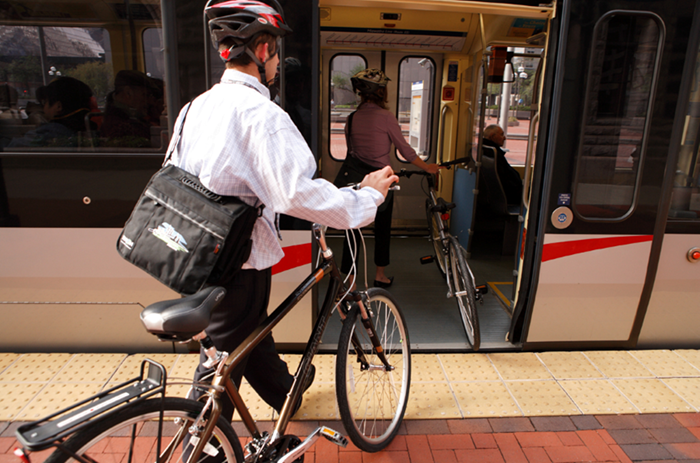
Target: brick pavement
<point x="610" y="438"/>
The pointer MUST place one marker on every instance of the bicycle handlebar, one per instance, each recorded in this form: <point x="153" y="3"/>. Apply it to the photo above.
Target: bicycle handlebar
<point x="449" y="164"/>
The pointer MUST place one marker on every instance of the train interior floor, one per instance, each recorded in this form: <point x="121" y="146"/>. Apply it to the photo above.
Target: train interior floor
<point x="433" y="319"/>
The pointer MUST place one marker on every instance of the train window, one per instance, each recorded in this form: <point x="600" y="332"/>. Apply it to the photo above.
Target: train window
<point x="622" y="75"/>
<point x="415" y="102"/>
<point x="685" y="199"/>
<point x="82" y="76"/>
<point x="343" y="101"/>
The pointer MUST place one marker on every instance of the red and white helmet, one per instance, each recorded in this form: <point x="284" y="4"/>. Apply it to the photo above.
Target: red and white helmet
<point x="242" y="20"/>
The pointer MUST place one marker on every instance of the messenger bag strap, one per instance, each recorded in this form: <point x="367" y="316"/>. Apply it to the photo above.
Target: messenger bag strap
<point x="174" y="144"/>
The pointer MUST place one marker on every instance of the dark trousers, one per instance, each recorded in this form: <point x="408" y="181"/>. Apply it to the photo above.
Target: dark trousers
<point x="241" y="311"/>
<point x="382" y="237"/>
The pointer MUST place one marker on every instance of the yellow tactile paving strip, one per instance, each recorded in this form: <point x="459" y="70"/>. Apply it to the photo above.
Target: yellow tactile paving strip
<point x="443" y="385"/>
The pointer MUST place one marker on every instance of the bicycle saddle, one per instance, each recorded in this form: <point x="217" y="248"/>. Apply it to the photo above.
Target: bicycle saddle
<point x="180" y="319"/>
<point x="442" y="206"/>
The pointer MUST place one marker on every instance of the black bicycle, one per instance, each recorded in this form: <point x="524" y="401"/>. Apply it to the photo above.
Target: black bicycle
<point x="373" y="374"/>
<point x="450" y="256"/>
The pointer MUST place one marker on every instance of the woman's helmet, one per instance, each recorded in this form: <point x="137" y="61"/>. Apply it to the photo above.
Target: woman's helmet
<point x="241" y="20"/>
<point x="368" y="81"/>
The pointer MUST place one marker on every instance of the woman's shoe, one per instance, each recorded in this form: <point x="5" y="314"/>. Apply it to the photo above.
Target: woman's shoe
<point x="381" y="284"/>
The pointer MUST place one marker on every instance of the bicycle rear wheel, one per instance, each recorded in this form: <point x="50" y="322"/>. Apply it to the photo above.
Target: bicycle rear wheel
<point x="130" y="436"/>
<point x="465" y="292"/>
<point x="434" y="232"/>
<point x="372" y="401"/>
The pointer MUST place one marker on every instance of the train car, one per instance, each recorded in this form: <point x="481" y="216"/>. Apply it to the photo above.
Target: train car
<point x="597" y="99"/>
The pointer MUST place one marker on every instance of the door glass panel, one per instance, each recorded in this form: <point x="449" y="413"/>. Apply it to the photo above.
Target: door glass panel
<point x="343" y="101"/>
<point x="685" y="199"/>
<point x="415" y="103"/>
<point x="67" y="89"/>
<point x="518" y="96"/>
<point x="624" y="57"/>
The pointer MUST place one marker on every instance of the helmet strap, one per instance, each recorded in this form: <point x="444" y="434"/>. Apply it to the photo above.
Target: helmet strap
<point x="259" y="64"/>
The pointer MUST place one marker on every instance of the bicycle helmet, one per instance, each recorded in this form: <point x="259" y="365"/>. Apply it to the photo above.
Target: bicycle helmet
<point x="242" y="20"/>
<point x="368" y="81"/>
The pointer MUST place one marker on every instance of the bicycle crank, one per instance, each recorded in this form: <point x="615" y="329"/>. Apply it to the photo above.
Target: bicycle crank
<point x="298" y="451"/>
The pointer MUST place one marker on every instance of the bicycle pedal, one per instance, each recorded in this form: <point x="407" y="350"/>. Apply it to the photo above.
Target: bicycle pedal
<point x="334" y="436"/>
<point x="482" y="289"/>
<point x="427" y="260"/>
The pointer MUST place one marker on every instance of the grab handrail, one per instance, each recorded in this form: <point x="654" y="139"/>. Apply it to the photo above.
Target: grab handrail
<point x="528" y="158"/>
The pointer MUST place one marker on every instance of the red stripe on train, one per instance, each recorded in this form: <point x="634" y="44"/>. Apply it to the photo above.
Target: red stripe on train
<point x="569" y="248"/>
<point x="294" y="256"/>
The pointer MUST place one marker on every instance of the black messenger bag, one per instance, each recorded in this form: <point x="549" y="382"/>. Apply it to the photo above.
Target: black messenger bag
<point x="185" y="235"/>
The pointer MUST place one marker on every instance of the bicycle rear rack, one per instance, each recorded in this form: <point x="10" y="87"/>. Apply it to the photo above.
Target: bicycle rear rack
<point x="44" y="433"/>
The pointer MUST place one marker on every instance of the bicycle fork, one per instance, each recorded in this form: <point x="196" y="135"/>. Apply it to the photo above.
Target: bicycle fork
<point x="366" y="319"/>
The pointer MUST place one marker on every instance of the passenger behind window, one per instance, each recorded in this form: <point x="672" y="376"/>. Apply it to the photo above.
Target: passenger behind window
<point x="156" y="103"/>
<point x="510" y="178"/>
<point x="126" y="118"/>
<point x="65" y="103"/>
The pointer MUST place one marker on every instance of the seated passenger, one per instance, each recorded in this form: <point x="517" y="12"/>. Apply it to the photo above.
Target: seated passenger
<point x="510" y="178"/>
<point x="125" y="120"/>
<point x="156" y="102"/>
<point x="66" y="101"/>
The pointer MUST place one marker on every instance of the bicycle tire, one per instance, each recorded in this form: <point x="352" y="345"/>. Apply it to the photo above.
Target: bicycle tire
<point x="372" y="402"/>
<point x="434" y="232"/>
<point x="465" y="292"/>
<point x="143" y="417"/>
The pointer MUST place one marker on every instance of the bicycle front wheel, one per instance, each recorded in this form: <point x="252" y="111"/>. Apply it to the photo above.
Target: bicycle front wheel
<point x="372" y="400"/>
<point x="130" y="436"/>
<point x="465" y="292"/>
<point x="434" y="231"/>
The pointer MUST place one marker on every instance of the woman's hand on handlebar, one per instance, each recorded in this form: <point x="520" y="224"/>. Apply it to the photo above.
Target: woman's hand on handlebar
<point x="430" y="168"/>
<point x="433" y="168"/>
<point x="380" y="180"/>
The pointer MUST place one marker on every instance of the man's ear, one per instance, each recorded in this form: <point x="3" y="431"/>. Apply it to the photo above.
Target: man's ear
<point x="261" y="52"/>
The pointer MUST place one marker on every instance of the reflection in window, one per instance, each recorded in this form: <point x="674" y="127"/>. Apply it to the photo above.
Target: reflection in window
<point x="45" y="71"/>
<point x="685" y="200"/>
<point x="31" y="58"/>
<point x="343" y="100"/>
<point x="416" y="88"/>
<point x="624" y="56"/>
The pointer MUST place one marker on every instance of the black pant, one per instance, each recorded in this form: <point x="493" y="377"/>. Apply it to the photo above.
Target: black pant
<point x="241" y="311"/>
<point x="382" y="237"/>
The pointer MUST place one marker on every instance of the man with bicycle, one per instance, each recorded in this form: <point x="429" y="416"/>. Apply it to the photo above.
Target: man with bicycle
<point x="239" y="143"/>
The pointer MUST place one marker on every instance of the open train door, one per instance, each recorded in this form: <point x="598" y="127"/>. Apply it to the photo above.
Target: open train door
<point x="598" y="202"/>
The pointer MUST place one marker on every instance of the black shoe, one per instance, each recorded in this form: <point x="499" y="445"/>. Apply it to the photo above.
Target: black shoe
<point x="307" y="384"/>
<point x="381" y="284"/>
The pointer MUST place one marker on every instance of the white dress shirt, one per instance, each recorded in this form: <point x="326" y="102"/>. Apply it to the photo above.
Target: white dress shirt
<point x="239" y="143"/>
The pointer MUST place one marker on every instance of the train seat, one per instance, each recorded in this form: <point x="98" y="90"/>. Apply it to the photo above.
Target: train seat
<point x="494" y="214"/>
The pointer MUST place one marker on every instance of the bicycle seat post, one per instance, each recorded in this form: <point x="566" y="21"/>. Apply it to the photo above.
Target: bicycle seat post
<point x="213" y="355"/>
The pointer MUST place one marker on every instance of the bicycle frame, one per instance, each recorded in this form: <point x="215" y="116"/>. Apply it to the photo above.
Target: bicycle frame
<point x="222" y="380"/>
